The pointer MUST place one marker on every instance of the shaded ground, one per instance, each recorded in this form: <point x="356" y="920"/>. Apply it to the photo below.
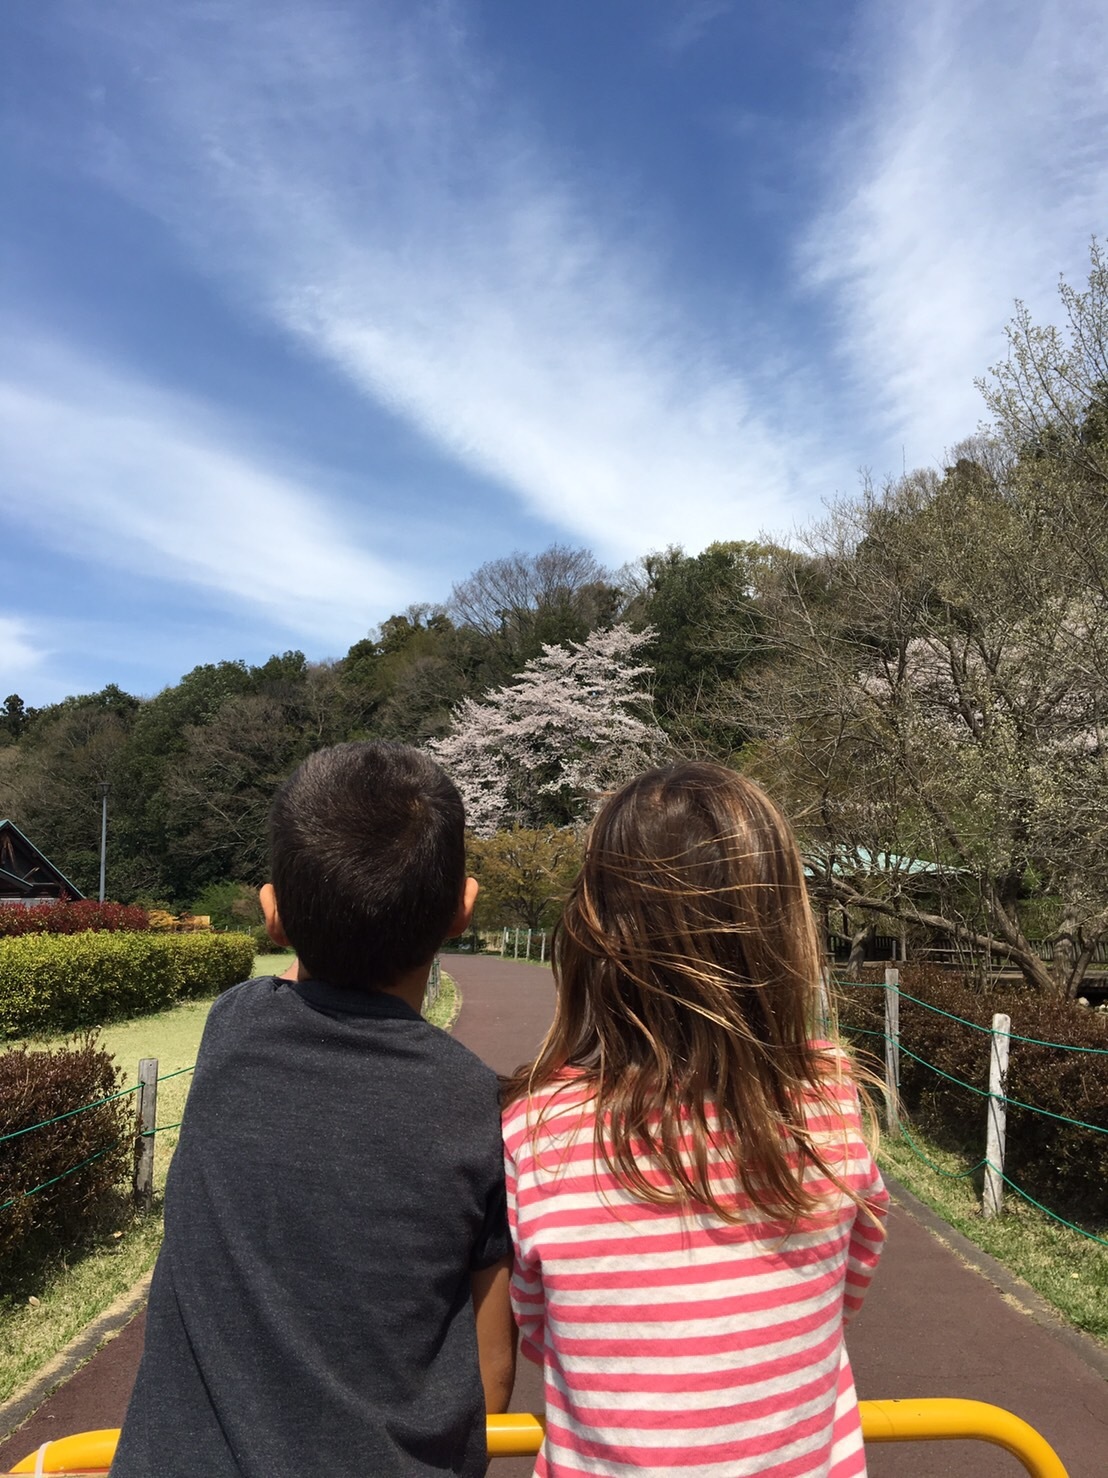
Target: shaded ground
<point x="932" y="1326"/>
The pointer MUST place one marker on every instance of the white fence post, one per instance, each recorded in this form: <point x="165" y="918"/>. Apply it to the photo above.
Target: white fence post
<point x="824" y="1002"/>
<point x="992" y="1201"/>
<point x="503" y="943"/>
<point x="515" y="943"/>
<point x="529" y="946"/>
<point x="143" y="1182"/>
<point x="542" y="948"/>
<point x="892" y="1049"/>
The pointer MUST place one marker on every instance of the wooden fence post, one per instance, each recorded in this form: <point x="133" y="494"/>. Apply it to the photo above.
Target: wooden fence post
<point x="143" y="1184"/>
<point x="892" y="1050"/>
<point x="992" y="1200"/>
<point x="433" y="986"/>
<point x="529" y="946"/>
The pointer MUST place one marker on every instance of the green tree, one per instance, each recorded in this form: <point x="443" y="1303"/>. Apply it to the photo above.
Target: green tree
<point x="229" y="906"/>
<point x="525" y="875"/>
<point x="14" y="716"/>
<point x="51" y="787"/>
<point x="690" y="600"/>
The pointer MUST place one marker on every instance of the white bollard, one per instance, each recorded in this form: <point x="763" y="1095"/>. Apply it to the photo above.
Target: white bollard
<point x="992" y="1200"/>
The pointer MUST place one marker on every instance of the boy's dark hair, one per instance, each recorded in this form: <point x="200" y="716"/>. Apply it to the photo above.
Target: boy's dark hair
<point x="367" y="858"/>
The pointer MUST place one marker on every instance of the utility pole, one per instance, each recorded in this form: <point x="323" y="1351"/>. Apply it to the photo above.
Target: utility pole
<point x="103" y="788"/>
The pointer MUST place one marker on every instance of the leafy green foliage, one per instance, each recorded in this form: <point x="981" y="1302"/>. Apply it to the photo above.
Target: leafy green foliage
<point x="229" y="906"/>
<point x="14" y="717"/>
<point x="706" y="618"/>
<point x="207" y="963"/>
<point x="524" y="874"/>
<point x="51" y="983"/>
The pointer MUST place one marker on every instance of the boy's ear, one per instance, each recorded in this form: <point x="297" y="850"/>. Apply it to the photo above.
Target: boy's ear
<point x="465" y="909"/>
<point x="273" y="926"/>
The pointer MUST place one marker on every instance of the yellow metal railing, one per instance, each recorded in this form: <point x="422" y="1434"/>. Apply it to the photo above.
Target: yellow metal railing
<point x="520" y="1435"/>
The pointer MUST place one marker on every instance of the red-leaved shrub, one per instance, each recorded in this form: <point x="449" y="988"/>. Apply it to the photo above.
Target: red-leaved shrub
<point x="1063" y="1166"/>
<point x="70" y="916"/>
<point x="61" y="1185"/>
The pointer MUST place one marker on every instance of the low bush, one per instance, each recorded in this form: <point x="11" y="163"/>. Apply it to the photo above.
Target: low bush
<point x="1059" y="1164"/>
<point x="59" y="1185"/>
<point x="208" y="964"/>
<point x="50" y="983"/>
<point x="229" y="906"/>
<point x="263" y="945"/>
<point x="71" y="916"/>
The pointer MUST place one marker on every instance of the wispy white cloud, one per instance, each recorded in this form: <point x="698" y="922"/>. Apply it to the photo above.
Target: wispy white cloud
<point x="690" y="21"/>
<point x="19" y="653"/>
<point x="354" y="173"/>
<point x="974" y="171"/>
<point x="136" y="480"/>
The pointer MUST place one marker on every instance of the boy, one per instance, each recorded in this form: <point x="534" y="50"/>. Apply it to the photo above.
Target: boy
<point x="332" y="1292"/>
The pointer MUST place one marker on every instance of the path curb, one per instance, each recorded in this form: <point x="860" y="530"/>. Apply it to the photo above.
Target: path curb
<point x="1027" y="1299"/>
<point x="81" y="1348"/>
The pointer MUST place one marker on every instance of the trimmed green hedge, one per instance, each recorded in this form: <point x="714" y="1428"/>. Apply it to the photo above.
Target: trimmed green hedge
<point x="51" y="983"/>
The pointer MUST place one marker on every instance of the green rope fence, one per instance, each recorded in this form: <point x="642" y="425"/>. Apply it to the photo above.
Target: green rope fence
<point x="938" y="1169"/>
<point x="69" y="1114"/>
<point x="981" y="1092"/>
<point x="984" y="1162"/>
<point x="85" y="1108"/>
<point x="964" y="1021"/>
<point x="1100" y="1241"/>
<point x="22" y="1195"/>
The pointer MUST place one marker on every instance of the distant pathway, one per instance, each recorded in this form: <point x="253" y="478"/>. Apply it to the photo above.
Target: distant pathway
<point x="932" y="1326"/>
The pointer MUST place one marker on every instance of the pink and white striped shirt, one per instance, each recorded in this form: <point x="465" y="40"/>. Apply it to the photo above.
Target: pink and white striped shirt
<point x="673" y="1341"/>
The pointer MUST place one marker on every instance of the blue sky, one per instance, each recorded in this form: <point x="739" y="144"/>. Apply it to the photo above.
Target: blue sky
<point x="309" y="307"/>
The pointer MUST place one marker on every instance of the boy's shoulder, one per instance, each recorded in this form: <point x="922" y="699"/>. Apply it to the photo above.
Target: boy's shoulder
<point x="228" y="1002"/>
<point x="461" y="1059"/>
<point x="248" y="1000"/>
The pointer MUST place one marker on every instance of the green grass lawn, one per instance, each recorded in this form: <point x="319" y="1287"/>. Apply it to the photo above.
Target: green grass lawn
<point x="73" y="1294"/>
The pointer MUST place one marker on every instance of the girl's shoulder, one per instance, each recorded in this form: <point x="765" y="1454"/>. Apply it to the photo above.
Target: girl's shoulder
<point x="568" y="1093"/>
<point x="833" y="1058"/>
<point x="835" y="1067"/>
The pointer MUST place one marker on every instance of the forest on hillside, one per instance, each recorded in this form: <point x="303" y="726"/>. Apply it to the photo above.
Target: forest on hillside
<point x="921" y="677"/>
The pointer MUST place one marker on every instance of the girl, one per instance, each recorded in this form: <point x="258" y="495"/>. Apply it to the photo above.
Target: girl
<point x="694" y="1209"/>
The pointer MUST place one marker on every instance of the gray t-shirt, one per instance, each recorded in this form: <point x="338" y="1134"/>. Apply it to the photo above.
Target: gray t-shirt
<point x="339" y="1176"/>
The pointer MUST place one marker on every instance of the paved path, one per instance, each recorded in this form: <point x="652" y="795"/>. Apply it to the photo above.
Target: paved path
<point x="932" y="1325"/>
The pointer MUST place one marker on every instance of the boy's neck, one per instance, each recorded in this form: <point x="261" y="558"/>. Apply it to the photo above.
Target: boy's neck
<point x="410" y="988"/>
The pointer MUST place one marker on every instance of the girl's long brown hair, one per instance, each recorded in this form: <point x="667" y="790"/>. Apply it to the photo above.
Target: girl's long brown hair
<point x="687" y="969"/>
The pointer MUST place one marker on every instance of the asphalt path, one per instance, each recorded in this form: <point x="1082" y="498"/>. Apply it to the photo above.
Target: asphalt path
<point x="934" y="1323"/>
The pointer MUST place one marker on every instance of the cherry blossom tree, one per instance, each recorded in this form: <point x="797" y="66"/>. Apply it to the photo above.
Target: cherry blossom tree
<point x="577" y="721"/>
